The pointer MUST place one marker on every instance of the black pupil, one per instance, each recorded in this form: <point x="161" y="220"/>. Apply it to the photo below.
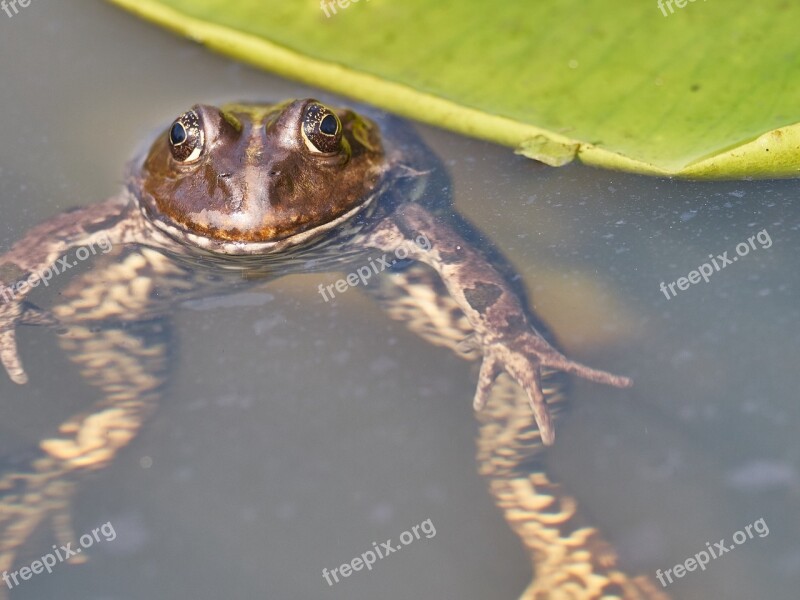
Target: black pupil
<point x="177" y="134"/>
<point x="328" y="125"/>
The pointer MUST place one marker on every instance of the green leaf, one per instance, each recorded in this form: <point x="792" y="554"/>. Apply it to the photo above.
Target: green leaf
<point x="708" y="91"/>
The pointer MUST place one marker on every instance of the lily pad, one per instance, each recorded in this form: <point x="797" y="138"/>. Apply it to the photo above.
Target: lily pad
<point x="707" y="90"/>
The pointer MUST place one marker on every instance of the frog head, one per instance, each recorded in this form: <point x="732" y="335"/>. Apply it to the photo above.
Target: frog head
<point x="243" y="178"/>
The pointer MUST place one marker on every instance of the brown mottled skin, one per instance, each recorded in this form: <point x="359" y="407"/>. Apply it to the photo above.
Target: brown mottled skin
<point x="257" y="181"/>
<point x="229" y="196"/>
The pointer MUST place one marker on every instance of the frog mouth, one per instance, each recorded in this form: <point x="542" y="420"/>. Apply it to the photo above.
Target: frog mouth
<point x="189" y="238"/>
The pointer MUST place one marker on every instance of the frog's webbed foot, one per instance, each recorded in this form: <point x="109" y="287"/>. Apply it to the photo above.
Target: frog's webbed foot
<point x="491" y="306"/>
<point x="523" y="358"/>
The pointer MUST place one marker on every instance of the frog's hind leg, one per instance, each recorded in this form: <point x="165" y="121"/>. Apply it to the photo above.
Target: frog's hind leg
<point x="128" y="363"/>
<point x="570" y="558"/>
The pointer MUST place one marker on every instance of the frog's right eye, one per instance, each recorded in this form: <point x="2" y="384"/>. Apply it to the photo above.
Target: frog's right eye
<point x="186" y="138"/>
<point x="321" y="129"/>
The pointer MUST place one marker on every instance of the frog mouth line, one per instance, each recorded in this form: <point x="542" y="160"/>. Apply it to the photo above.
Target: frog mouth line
<point x="244" y="248"/>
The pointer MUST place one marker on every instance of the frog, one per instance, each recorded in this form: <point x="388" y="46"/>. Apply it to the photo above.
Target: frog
<point x="230" y="197"/>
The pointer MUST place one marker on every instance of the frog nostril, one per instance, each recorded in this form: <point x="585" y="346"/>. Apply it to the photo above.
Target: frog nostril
<point x="224" y="175"/>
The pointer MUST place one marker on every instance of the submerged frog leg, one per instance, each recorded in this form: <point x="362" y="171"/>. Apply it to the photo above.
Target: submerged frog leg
<point x="509" y="343"/>
<point x="40" y="255"/>
<point x="111" y="328"/>
<point x="128" y="363"/>
<point x="570" y="557"/>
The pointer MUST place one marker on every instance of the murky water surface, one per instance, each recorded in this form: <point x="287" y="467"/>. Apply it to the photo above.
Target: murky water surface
<point x="296" y="433"/>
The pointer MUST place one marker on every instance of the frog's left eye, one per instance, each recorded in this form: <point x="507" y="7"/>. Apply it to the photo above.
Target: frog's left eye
<point x="186" y="138"/>
<point x="321" y="129"/>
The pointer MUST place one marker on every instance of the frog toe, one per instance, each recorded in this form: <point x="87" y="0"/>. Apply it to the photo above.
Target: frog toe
<point x="531" y="382"/>
<point x="524" y="368"/>
<point x="490" y="369"/>
<point x="562" y="363"/>
<point x="10" y="357"/>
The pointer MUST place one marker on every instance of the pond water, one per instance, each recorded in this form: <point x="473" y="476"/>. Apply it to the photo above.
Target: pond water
<point x="295" y="433"/>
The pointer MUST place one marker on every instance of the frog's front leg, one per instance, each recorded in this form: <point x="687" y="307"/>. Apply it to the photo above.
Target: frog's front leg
<point x="507" y="339"/>
<point x="41" y="254"/>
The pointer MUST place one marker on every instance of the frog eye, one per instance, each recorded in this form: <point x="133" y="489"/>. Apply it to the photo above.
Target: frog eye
<point x="321" y="129"/>
<point x="186" y="138"/>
